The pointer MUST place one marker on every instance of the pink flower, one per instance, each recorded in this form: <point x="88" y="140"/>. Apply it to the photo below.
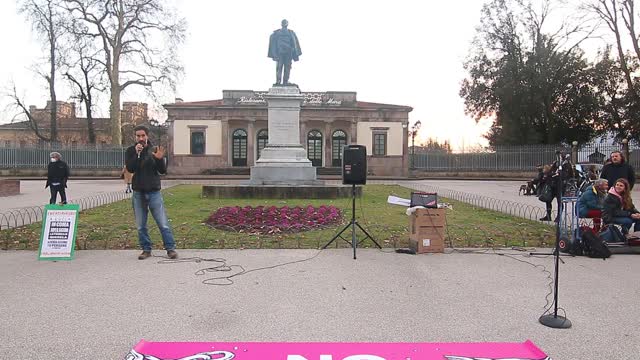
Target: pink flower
<point x="273" y="220"/>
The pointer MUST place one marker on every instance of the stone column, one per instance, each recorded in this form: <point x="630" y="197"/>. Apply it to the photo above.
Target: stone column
<point x="251" y="139"/>
<point x="224" y="134"/>
<point x="327" y="157"/>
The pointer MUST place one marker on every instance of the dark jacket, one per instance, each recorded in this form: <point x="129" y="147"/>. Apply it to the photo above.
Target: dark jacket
<point x="146" y="169"/>
<point x="613" y="208"/>
<point x="57" y="172"/>
<point x="590" y="200"/>
<point x="613" y="172"/>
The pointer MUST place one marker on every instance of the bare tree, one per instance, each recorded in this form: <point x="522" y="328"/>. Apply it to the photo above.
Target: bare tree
<point x="47" y="18"/>
<point x="629" y="17"/>
<point x="20" y="106"/>
<point x="85" y="75"/>
<point x="139" y="39"/>
<point x="610" y="12"/>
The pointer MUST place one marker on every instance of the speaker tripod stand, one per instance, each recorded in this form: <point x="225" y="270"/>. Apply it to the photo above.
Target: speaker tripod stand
<point x="353" y="224"/>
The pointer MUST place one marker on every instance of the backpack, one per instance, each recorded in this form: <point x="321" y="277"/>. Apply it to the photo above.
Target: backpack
<point x="595" y="246"/>
<point x="612" y="235"/>
<point x="546" y="194"/>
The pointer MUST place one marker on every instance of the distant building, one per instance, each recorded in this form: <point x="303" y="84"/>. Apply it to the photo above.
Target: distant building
<point x="230" y="132"/>
<point x="71" y="129"/>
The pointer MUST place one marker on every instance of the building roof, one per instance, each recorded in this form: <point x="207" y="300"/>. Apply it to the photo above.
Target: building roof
<point x="205" y="103"/>
<point x="221" y="103"/>
<point x="63" y="124"/>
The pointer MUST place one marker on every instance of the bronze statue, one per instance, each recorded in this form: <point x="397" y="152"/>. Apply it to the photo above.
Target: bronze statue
<point x="283" y="48"/>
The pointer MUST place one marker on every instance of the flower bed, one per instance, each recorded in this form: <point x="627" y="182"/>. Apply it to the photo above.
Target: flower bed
<point x="273" y="220"/>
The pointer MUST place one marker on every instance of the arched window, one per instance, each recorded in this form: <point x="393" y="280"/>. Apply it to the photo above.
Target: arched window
<point x="262" y="139"/>
<point x="239" y="148"/>
<point x="314" y="147"/>
<point x="338" y="142"/>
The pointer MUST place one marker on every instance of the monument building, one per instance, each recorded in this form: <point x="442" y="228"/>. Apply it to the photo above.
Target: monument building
<point x="216" y="136"/>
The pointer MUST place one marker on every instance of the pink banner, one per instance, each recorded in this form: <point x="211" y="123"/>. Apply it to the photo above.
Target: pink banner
<point x="334" y="351"/>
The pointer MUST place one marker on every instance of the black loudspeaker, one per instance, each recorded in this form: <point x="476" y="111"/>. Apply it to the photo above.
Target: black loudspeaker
<point x="354" y="165"/>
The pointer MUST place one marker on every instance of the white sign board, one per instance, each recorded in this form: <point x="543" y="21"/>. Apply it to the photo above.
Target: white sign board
<point x="57" y="240"/>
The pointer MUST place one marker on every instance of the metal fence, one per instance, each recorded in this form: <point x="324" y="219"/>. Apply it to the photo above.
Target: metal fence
<point x="77" y="157"/>
<point x="504" y="158"/>
<point x="597" y="153"/>
<point x="514" y="158"/>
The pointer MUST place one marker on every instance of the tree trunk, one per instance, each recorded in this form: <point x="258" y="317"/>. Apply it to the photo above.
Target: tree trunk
<point x="624" y="66"/>
<point x="114" y="112"/>
<point x="52" y="82"/>
<point x="90" y="125"/>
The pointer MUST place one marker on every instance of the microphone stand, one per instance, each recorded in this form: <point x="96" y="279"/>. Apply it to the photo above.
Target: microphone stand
<point x="554" y="320"/>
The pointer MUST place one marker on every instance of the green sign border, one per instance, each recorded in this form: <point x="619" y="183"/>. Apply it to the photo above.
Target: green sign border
<point x="75" y="207"/>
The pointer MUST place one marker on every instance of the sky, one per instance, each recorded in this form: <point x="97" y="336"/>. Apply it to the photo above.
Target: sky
<point x="395" y="52"/>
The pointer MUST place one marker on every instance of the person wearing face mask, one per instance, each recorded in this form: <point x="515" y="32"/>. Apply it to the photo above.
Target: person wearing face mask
<point x="57" y="176"/>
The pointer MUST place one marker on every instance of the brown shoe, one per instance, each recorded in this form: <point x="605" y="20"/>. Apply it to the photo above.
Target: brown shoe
<point x="144" y="255"/>
<point x="172" y="254"/>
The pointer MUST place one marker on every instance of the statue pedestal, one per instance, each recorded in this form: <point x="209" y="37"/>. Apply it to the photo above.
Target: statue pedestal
<point x="284" y="160"/>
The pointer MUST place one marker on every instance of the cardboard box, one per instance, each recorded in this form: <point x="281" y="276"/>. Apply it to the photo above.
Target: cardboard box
<point x="429" y="217"/>
<point x="427" y="245"/>
<point x="427" y="230"/>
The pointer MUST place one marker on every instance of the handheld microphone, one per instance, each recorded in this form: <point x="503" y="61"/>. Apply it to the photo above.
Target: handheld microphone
<point x="143" y="143"/>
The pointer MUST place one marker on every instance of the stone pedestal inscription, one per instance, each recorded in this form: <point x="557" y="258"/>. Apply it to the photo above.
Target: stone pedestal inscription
<point x="283" y="160"/>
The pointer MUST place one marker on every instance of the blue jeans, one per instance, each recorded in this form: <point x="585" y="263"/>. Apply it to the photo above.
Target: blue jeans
<point x="626" y="223"/>
<point x="142" y="203"/>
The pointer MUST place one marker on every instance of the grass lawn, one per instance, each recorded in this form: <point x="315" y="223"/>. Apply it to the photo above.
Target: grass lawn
<point x="112" y="226"/>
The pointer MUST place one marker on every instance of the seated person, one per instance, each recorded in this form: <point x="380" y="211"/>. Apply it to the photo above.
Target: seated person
<point x="591" y="202"/>
<point x="618" y="207"/>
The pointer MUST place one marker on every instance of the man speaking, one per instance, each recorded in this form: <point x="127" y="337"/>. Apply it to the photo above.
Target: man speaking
<point x="146" y="163"/>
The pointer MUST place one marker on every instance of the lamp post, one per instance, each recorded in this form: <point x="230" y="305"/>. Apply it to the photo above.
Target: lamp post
<point x="413" y="132"/>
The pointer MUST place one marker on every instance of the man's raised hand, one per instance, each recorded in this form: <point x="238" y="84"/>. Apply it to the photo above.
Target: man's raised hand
<point x="158" y="153"/>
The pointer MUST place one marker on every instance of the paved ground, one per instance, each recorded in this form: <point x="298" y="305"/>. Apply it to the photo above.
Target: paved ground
<point x="103" y="302"/>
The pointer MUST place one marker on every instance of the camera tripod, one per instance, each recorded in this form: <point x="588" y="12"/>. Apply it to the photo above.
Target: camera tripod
<point x="354" y="240"/>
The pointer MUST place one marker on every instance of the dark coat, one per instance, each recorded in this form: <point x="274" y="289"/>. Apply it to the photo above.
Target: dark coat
<point x="57" y="172"/>
<point x="613" y="208"/>
<point x="146" y="169"/>
<point x="613" y="172"/>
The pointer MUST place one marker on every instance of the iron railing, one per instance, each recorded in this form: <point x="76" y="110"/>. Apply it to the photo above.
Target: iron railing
<point x="77" y="157"/>
<point x="513" y="208"/>
<point x="514" y="158"/>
